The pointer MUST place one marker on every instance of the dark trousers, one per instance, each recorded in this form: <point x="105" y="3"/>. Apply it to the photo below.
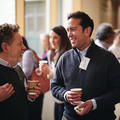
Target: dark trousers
<point x="58" y="111"/>
<point x="35" y="108"/>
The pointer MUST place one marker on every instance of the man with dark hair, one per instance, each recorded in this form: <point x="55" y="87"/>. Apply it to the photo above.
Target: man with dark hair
<point x="14" y="104"/>
<point x="89" y="67"/>
<point x="104" y="35"/>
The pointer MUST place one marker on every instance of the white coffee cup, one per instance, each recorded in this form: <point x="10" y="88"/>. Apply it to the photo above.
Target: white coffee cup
<point x="41" y="63"/>
<point x="79" y="91"/>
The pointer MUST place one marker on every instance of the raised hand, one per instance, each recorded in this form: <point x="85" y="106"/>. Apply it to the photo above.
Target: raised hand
<point x="6" y="91"/>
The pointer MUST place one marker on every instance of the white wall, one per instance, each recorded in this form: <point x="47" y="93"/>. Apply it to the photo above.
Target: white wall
<point x="7" y="11"/>
<point x="92" y="8"/>
<point x="66" y="9"/>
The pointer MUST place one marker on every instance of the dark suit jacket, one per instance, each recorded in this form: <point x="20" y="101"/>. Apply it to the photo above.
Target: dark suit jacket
<point x="15" y="107"/>
<point x="100" y="81"/>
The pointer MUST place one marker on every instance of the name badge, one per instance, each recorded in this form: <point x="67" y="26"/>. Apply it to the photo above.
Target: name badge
<point x="84" y="63"/>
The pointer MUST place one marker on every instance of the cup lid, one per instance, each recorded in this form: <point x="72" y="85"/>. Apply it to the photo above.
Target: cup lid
<point x="43" y="61"/>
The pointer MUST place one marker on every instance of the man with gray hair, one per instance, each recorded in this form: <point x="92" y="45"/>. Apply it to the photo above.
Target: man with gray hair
<point x="104" y="35"/>
<point x="13" y="94"/>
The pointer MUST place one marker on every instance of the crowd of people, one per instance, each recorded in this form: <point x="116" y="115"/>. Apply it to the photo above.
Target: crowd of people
<point x="74" y="60"/>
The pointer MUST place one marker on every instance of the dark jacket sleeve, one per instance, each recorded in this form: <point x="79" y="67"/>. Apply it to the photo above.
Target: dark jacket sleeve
<point x="57" y="83"/>
<point x="113" y="95"/>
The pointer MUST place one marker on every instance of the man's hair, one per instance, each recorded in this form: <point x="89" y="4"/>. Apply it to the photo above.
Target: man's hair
<point x="104" y="31"/>
<point x="6" y="33"/>
<point x="86" y="21"/>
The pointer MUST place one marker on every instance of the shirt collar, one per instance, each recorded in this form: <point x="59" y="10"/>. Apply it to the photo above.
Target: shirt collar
<point x="83" y="52"/>
<point x="5" y="63"/>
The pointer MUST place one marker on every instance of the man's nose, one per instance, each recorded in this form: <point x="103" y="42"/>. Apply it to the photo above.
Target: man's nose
<point x="69" y="34"/>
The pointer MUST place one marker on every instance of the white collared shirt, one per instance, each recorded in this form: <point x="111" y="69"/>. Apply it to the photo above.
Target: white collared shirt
<point x="5" y="63"/>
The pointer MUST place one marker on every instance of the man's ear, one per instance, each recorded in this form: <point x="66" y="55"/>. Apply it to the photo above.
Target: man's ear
<point x="87" y="31"/>
<point x="4" y="47"/>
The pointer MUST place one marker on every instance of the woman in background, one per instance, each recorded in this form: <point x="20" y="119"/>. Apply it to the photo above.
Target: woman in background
<point x="30" y="61"/>
<point x="60" y="44"/>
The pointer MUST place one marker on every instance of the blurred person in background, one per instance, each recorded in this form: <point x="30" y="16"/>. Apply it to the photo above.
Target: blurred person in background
<point x="46" y="46"/>
<point x="30" y="63"/>
<point x="60" y="43"/>
<point x="104" y="35"/>
<point x="115" y="47"/>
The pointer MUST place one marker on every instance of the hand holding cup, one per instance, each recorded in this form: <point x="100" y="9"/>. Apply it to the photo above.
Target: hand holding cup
<point x="74" y="96"/>
<point x="33" y="87"/>
<point x="78" y="92"/>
